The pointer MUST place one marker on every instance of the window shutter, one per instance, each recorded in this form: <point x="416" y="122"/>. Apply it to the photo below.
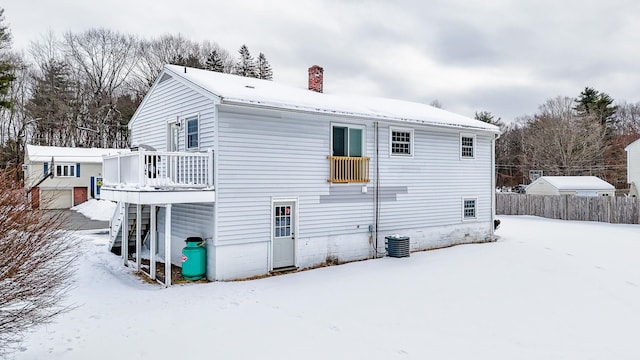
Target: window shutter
<point x="46" y="168"/>
<point x="77" y="169"/>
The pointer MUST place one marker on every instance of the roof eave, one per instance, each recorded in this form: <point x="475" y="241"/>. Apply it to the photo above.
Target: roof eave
<point x="256" y="104"/>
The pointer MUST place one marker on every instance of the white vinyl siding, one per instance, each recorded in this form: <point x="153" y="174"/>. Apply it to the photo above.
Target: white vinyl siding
<point x="259" y="159"/>
<point x="171" y="99"/>
<point x="435" y="180"/>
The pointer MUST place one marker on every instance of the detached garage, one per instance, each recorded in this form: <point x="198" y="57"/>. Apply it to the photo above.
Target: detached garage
<point x="60" y="177"/>
<point x="570" y="185"/>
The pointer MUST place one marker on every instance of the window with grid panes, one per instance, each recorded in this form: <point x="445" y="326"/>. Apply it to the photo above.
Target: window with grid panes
<point x="467" y="146"/>
<point x="469" y="210"/>
<point x="401" y="142"/>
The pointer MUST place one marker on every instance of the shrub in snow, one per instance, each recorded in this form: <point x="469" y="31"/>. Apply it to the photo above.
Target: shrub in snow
<point x="36" y="264"/>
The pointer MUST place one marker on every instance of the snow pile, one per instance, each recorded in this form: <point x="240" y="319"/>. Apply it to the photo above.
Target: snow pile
<point x="96" y="209"/>
<point x="548" y="289"/>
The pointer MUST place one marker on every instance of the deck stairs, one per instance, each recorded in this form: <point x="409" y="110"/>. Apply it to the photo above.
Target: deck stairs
<point x="117" y="227"/>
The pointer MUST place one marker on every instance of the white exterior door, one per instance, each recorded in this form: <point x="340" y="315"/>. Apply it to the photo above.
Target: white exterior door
<point x="284" y="221"/>
<point x="172" y="136"/>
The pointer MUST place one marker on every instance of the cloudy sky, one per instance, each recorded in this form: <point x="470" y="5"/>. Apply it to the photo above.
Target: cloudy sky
<point x="503" y="56"/>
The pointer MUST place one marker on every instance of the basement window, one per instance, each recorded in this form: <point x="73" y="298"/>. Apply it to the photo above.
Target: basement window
<point x="469" y="208"/>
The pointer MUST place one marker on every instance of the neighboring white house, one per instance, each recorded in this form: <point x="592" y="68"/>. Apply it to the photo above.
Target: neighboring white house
<point x="62" y="177"/>
<point x="570" y="185"/>
<point x="633" y="167"/>
<point x="279" y="177"/>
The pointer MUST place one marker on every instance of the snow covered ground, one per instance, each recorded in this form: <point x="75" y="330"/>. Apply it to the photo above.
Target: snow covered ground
<point x="548" y="289"/>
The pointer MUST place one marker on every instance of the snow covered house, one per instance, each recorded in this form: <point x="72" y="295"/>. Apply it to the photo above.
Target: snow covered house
<point x="62" y="177"/>
<point x="278" y="177"/>
<point x="633" y="167"/>
<point x="570" y="185"/>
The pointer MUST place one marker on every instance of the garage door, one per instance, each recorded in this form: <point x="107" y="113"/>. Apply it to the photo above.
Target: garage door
<point x="55" y="199"/>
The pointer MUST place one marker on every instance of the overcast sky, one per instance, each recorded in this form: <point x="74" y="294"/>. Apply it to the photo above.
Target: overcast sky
<point x="503" y="56"/>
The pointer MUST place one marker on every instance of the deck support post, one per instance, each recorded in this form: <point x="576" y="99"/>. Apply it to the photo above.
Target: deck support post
<point x="153" y="244"/>
<point x="138" y="235"/>
<point x="167" y="246"/>
<point x="125" y="235"/>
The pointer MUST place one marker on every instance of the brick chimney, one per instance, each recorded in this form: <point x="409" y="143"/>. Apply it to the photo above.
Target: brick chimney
<point x="315" y="78"/>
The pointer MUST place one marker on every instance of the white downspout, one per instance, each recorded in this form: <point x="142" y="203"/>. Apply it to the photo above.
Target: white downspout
<point x="493" y="183"/>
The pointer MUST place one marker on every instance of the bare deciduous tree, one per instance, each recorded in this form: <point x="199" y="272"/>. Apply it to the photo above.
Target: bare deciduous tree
<point x="562" y="143"/>
<point x="102" y="61"/>
<point x="36" y="264"/>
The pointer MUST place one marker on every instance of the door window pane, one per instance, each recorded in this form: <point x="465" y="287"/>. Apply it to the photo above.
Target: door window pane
<point x="339" y="141"/>
<point x="282" y="221"/>
<point x="355" y="142"/>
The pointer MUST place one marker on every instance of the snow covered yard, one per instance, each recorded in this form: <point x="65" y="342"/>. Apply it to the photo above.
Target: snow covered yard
<point x="547" y="289"/>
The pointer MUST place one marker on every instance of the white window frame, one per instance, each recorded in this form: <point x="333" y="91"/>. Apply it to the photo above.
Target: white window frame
<point x="186" y="120"/>
<point x="353" y="126"/>
<point x="475" y="212"/>
<point x="411" y="141"/>
<point x="473" y="148"/>
<point x="62" y="166"/>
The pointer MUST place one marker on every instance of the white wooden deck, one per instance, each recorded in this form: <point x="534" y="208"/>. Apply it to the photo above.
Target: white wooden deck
<point x="154" y="177"/>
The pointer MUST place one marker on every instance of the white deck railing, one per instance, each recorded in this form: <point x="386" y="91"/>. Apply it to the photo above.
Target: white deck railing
<point x="155" y="169"/>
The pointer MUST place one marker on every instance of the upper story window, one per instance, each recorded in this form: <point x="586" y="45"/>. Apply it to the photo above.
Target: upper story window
<point x="401" y="141"/>
<point x="469" y="208"/>
<point x="467" y="146"/>
<point x="347" y="163"/>
<point x="348" y="141"/>
<point x="192" y="132"/>
<point x="65" y="170"/>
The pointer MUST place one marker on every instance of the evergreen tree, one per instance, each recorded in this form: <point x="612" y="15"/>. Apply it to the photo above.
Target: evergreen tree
<point x="264" y="69"/>
<point x="214" y="62"/>
<point x="596" y="105"/>
<point x="6" y="67"/>
<point x="51" y="103"/>
<point x="489" y="118"/>
<point x="193" y="61"/>
<point x="178" y="60"/>
<point x="246" y="66"/>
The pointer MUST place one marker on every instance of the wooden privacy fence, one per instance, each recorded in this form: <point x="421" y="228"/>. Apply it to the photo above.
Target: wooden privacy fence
<point x="621" y="210"/>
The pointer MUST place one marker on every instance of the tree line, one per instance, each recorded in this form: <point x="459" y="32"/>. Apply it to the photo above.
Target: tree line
<point x="81" y="89"/>
<point x="584" y="135"/>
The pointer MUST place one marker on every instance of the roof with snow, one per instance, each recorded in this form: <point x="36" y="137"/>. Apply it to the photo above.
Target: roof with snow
<point x="68" y="154"/>
<point x="576" y="182"/>
<point x="632" y="145"/>
<point x="237" y="89"/>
